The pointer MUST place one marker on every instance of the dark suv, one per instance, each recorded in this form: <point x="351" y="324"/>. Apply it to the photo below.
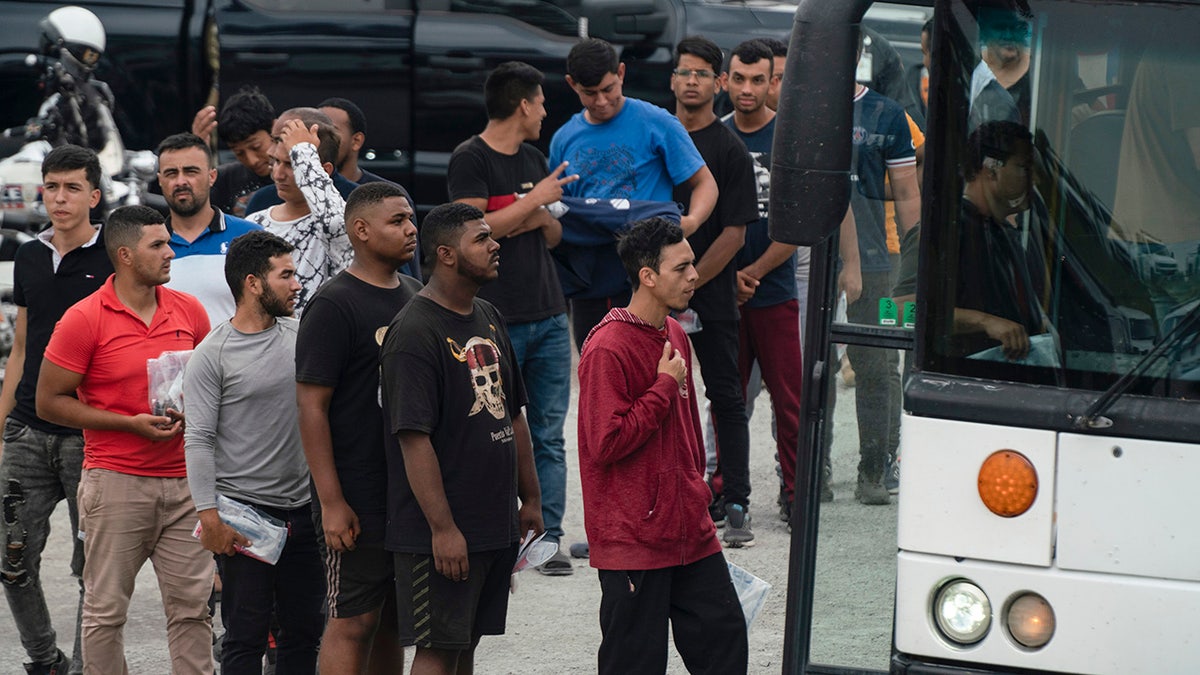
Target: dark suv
<point x="416" y="67"/>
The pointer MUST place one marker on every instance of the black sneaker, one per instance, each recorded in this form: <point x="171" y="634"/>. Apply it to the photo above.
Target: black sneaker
<point x="785" y="510"/>
<point x="60" y="666"/>
<point x="716" y="511"/>
<point x="737" y="527"/>
<point x="826" y="493"/>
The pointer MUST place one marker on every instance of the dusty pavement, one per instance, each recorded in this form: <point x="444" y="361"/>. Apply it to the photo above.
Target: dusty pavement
<point x="552" y="621"/>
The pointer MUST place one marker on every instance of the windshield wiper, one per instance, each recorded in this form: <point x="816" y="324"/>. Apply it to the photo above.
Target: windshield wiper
<point x="1093" y="417"/>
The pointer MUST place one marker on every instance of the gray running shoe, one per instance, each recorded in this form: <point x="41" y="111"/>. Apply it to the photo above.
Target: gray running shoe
<point x="737" y="527"/>
<point x="872" y="492"/>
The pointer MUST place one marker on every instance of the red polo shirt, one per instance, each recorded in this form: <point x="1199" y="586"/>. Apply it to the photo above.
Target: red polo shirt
<point x="109" y="345"/>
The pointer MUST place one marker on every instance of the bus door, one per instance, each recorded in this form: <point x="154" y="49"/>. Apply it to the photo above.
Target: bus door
<point x="858" y="334"/>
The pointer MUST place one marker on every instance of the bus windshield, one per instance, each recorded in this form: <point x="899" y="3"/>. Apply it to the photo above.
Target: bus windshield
<point x="1063" y="199"/>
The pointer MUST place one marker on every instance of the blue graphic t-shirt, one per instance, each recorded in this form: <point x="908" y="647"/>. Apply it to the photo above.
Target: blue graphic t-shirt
<point x="881" y="141"/>
<point x="641" y="154"/>
<point x="778" y="285"/>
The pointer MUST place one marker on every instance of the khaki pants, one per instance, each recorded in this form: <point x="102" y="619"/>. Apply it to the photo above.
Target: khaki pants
<point x="125" y="521"/>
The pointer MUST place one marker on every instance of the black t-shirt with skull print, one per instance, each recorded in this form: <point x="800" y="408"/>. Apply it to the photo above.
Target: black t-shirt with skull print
<point x="453" y="377"/>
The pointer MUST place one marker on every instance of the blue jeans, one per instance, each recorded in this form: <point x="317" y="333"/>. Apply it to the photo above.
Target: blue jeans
<point x="544" y="357"/>
<point x="37" y="471"/>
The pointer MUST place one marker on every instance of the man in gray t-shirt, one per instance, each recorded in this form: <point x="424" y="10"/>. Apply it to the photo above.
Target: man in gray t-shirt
<point x="243" y="443"/>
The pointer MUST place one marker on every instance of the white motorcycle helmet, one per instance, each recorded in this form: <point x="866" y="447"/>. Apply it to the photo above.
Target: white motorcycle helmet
<point x="73" y="33"/>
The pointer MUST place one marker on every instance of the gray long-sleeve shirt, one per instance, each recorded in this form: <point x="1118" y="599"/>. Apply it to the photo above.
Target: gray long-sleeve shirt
<point x="243" y="433"/>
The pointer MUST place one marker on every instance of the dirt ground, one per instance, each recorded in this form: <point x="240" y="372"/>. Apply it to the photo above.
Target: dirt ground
<point x="552" y="621"/>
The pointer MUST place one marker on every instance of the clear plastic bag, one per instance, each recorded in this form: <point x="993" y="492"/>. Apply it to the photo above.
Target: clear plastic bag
<point x="166" y="381"/>
<point x="267" y="534"/>
<point x="751" y="591"/>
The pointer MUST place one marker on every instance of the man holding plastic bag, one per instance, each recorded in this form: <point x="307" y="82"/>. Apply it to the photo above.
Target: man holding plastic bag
<point x="134" y="502"/>
<point x="246" y="465"/>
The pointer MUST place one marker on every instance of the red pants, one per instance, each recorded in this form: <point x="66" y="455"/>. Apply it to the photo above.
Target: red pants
<point x="771" y="336"/>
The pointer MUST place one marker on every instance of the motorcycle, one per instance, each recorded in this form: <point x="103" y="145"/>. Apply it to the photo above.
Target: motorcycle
<point x="75" y="110"/>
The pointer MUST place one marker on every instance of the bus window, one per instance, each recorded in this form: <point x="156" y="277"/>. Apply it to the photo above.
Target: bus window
<point x="1067" y="220"/>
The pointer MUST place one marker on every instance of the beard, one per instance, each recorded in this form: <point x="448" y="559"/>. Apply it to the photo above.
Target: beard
<point x="274" y="305"/>
<point x="186" y="209"/>
<point x="476" y="275"/>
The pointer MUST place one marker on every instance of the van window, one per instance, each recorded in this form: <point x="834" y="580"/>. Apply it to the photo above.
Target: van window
<point x="544" y="15"/>
<point x="314" y="6"/>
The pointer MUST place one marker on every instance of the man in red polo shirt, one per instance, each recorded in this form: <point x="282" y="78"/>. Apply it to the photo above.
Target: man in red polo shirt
<point x="134" y="502"/>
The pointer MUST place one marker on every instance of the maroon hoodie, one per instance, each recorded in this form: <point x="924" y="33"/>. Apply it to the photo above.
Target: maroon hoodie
<point x="641" y="455"/>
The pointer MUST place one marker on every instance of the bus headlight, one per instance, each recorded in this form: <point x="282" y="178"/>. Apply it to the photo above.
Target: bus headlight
<point x="962" y="612"/>
<point x="1008" y="483"/>
<point x="1030" y="620"/>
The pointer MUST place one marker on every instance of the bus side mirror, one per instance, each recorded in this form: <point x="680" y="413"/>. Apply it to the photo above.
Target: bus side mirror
<point x="811" y="154"/>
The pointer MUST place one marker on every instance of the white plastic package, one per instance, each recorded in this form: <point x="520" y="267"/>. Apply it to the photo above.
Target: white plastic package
<point x="166" y="381"/>
<point x="267" y="534"/>
<point x="751" y="591"/>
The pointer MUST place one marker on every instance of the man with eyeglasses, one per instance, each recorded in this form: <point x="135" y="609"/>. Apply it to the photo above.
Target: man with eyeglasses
<point x="716" y="242"/>
<point x="622" y="148"/>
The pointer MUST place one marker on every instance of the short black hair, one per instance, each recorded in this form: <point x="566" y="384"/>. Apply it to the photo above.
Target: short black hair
<point x="358" y="121"/>
<point x="999" y="140"/>
<point x="369" y="194"/>
<point x="249" y="254"/>
<point x="124" y="227"/>
<point x="928" y="27"/>
<point x="330" y="143"/>
<point x="778" y="47"/>
<point x="752" y="51"/>
<point x="590" y="60"/>
<point x="245" y="113"/>
<point x="702" y="48"/>
<point x="70" y="158"/>
<point x="182" y="142"/>
<point x="441" y="227"/>
<point x="642" y="244"/>
<point x="509" y="84"/>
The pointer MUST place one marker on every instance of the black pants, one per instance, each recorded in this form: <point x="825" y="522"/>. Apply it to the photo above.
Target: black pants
<point x="587" y="312"/>
<point x="293" y="590"/>
<point x="716" y="347"/>
<point x="699" y="602"/>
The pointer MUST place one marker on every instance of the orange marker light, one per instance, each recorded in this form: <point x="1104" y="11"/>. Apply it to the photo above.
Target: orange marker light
<point x="1008" y="483"/>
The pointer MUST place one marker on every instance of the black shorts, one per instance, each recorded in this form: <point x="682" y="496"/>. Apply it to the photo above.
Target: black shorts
<point x="437" y="613"/>
<point x="357" y="581"/>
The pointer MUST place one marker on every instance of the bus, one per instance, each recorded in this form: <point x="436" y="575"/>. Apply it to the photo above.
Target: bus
<point x="1051" y="408"/>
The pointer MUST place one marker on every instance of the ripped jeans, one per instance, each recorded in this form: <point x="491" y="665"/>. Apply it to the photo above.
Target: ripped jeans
<point x="37" y="471"/>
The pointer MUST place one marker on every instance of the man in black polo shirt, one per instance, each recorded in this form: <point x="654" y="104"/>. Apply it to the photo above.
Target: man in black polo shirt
<point x="42" y="461"/>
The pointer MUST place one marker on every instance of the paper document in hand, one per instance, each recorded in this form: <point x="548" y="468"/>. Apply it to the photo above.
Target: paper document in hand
<point x="534" y="551"/>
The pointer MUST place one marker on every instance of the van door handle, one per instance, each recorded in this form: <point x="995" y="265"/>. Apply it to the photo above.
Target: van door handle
<point x="459" y="64"/>
<point x="261" y="59"/>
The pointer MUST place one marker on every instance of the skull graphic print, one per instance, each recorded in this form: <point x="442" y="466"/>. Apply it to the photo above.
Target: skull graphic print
<point x="483" y="359"/>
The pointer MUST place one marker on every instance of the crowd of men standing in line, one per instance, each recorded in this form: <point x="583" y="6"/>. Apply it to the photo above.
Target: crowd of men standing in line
<point x="410" y="435"/>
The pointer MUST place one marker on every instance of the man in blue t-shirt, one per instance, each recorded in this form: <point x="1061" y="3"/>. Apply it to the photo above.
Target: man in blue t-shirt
<point x="622" y="148"/>
<point x="882" y="145"/>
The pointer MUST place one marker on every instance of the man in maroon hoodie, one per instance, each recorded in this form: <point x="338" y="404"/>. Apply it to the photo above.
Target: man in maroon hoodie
<point x="641" y="460"/>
